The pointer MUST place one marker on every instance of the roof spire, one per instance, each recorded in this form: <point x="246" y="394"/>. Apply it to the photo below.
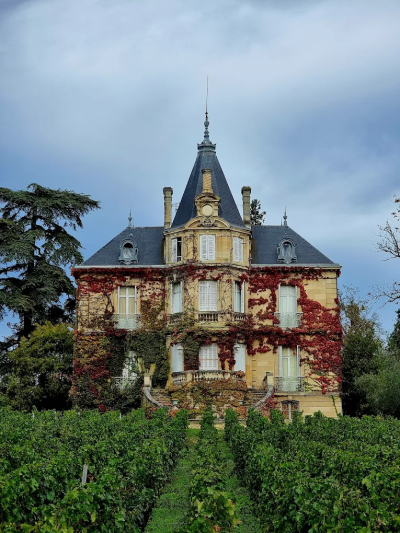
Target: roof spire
<point x="206" y="145"/>
<point x="285" y="218"/>
<point x="130" y="218"/>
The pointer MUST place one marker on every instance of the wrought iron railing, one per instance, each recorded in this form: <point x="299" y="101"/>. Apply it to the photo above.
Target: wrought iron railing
<point x="122" y="321"/>
<point x="289" y="320"/>
<point x="289" y="384"/>
<point x="236" y="316"/>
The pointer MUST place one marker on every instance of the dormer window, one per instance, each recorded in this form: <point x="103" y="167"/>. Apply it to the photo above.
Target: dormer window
<point x="287" y="251"/>
<point x="128" y="252"/>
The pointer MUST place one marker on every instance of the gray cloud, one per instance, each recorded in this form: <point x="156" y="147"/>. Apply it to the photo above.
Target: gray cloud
<point x="107" y="98"/>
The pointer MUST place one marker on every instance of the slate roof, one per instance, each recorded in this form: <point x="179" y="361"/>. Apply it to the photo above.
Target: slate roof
<point x="266" y="240"/>
<point x="207" y="158"/>
<point x="150" y="245"/>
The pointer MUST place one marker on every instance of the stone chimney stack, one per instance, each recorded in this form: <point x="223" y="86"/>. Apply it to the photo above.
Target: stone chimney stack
<point x="246" y="191"/>
<point x="207" y="180"/>
<point x="167" y="206"/>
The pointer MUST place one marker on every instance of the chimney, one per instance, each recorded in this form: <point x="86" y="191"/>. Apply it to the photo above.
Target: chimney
<point x="167" y="206"/>
<point x="246" y="191"/>
<point x="207" y="183"/>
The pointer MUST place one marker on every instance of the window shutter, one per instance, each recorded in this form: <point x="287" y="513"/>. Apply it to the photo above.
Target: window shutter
<point x="211" y="247"/>
<point x="241" y="250"/>
<point x="213" y="356"/>
<point x="242" y="298"/>
<point x="298" y="360"/>
<point x="172" y="297"/>
<point x="212" y="296"/>
<point x="203" y="247"/>
<point x="236" y="249"/>
<point x="280" y="362"/>
<point x="174" y="250"/>
<point x="203" y="296"/>
<point x="177" y="297"/>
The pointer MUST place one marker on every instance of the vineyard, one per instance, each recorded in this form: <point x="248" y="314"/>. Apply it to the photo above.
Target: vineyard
<point x="91" y="472"/>
<point x="43" y="484"/>
<point x="320" y="475"/>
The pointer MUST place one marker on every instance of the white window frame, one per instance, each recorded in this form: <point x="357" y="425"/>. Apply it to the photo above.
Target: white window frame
<point x="208" y="296"/>
<point x="238" y="244"/>
<point x="176" y="358"/>
<point x="287" y="322"/>
<point x="175" y="308"/>
<point x="289" y="383"/>
<point x="208" y="357"/>
<point x="207" y="247"/>
<point x="238" y="289"/>
<point x="175" y="257"/>
<point x="242" y="348"/>
<point x="127" y="297"/>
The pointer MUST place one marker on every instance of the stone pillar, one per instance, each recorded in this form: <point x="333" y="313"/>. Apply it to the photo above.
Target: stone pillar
<point x="246" y="191"/>
<point x="167" y="206"/>
<point x="207" y="180"/>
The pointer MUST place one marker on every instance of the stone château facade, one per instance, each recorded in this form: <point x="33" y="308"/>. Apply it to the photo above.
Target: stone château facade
<point x="251" y="310"/>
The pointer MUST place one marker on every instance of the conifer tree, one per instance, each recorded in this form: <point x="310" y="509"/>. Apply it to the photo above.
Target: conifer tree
<point x="34" y="248"/>
<point x="256" y="215"/>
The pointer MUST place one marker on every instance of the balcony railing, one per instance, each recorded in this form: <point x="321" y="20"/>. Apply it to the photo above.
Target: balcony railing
<point x="208" y="316"/>
<point x="288" y="384"/>
<point x="127" y="321"/>
<point x="121" y="382"/>
<point x="236" y="316"/>
<point x="178" y="378"/>
<point x="289" y="320"/>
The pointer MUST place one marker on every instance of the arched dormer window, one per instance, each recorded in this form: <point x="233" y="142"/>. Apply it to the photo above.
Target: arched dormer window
<point x="287" y="251"/>
<point x="128" y="251"/>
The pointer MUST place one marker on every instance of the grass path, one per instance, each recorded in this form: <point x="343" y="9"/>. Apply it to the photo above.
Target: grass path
<point x="169" y="513"/>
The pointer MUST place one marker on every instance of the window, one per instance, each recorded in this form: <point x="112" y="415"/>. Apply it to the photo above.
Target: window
<point x="237" y="249"/>
<point x="289" y="368"/>
<point x="239" y="351"/>
<point x="176" y="250"/>
<point x="209" y="357"/>
<point x="288" y="306"/>
<point x="287" y="251"/>
<point x="176" y="297"/>
<point x="127" y="308"/>
<point x="288" y="408"/>
<point x="207" y="247"/>
<point x="176" y="358"/>
<point x="128" y="252"/>
<point x="208" y="300"/>
<point x="238" y="297"/>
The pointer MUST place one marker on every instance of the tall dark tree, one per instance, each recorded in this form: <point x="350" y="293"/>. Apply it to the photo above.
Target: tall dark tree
<point x="362" y="350"/>
<point x="394" y="338"/>
<point x="256" y="215"/>
<point x="34" y="249"/>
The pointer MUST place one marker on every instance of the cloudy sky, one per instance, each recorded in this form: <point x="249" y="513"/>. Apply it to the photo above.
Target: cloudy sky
<point x="107" y="98"/>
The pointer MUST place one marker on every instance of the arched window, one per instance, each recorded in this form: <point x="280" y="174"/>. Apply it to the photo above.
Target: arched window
<point x="288" y="407"/>
<point x="128" y="251"/>
<point x="287" y="251"/>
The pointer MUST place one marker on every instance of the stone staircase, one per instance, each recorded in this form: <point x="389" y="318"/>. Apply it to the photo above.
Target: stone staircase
<point x="161" y="396"/>
<point x="253" y="396"/>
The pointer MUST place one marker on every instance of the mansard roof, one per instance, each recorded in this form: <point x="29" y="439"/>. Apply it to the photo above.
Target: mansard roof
<point x="148" y="240"/>
<point x="207" y="158"/>
<point x="265" y="242"/>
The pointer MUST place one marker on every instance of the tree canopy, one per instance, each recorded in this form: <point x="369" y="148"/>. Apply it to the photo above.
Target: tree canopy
<point x="34" y="248"/>
<point x="256" y="215"/>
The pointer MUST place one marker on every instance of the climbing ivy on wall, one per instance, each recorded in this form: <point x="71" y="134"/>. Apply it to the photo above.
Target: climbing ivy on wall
<point x="98" y="354"/>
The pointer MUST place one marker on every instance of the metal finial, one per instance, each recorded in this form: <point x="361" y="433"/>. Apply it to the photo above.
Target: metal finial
<point x="285" y="218"/>
<point x="206" y="123"/>
<point x="130" y="219"/>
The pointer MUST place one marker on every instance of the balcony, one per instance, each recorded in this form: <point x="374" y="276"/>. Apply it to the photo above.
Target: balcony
<point x="288" y="384"/>
<point x="123" y="381"/>
<point x="289" y="320"/>
<point x="131" y="322"/>
<point x="179" y="378"/>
